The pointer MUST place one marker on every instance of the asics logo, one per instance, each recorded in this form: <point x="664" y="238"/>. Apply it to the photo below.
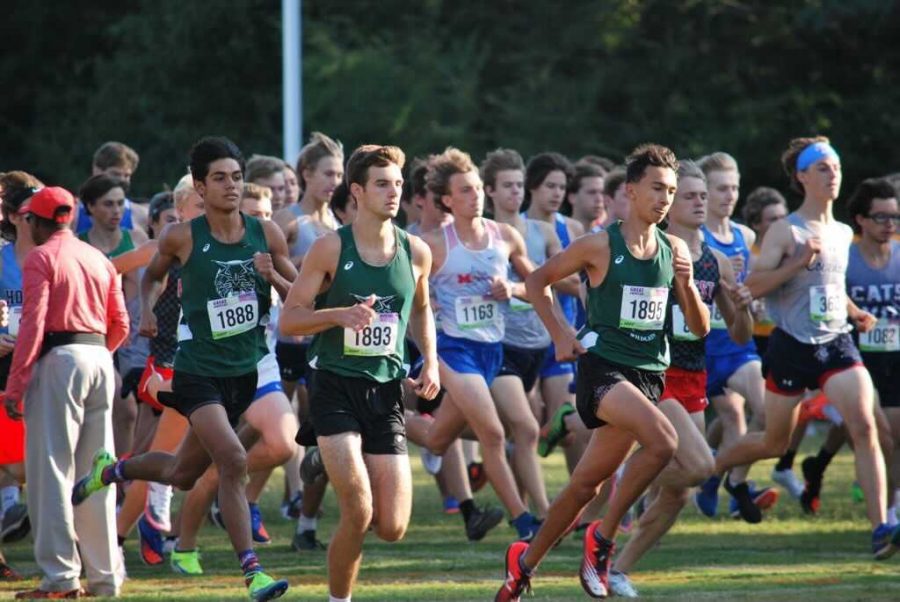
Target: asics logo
<point x="206" y="247"/>
<point x="348" y="265"/>
<point x="620" y="259"/>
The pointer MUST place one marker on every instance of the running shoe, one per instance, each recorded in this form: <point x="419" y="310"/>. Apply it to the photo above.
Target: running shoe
<point x="812" y="473"/>
<point x="477" y="476"/>
<point x="856" y="493"/>
<point x="15" y="525"/>
<point x="7" y="573"/>
<point x="257" y="528"/>
<point x="885" y="541"/>
<point x="451" y="505"/>
<point x="186" y="562"/>
<point x="594" y="573"/>
<point x="290" y="510"/>
<point x="555" y="430"/>
<point x="431" y="462"/>
<point x="481" y="521"/>
<point x="311" y="467"/>
<point x="40" y="594"/>
<point x="151" y="543"/>
<point x="787" y="478"/>
<point x="707" y="497"/>
<point x="746" y="508"/>
<point x="93" y="481"/>
<point x="620" y="585"/>
<point x="158" y="509"/>
<point x="764" y="498"/>
<point x="261" y="587"/>
<point x="526" y="526"/>
<point x="306" y="541"/>
<point x="517" y="581"/>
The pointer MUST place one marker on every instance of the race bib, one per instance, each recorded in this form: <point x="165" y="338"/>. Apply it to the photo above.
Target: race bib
<point x="716" y="321"/>
<point x="378" y="338"/>
<point x="232" y="315"/>
<point x="827" y="303"/>
<point x="15" y="318"/>
<point x="680" y="330"/>
<point x="516" y="304"/>
<point x="477" y="312"/>
<point x="643" y="307"/>
<point x="884" y="338"/>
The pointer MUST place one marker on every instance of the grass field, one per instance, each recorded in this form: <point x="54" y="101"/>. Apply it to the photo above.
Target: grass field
<point x="787" y="557"/>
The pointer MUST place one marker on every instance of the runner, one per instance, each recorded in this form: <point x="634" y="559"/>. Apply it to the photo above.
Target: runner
<point x="525" y="341"/>
<point x="469" y="279"/>
<point x="267" y="171"/>
<point x="585" y="195"/>
<point x="734" y="371"/>
<point x="615" y="198"/>
<point x="632" y="267"/>
<point x="684" y="399"/>
<point x="375" y="281"/>
<point x="227" y="272"/>
<point x="802" y="271"/>
<point x="119" y="162"/>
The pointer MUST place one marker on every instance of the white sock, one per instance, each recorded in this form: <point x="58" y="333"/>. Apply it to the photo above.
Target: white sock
<point x="306" y="524"/>
<point x="9" y="497"/>
<point x="336" y="599"/>
<point x="892" y="516"/>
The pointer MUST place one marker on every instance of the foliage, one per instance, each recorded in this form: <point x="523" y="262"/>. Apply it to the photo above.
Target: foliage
<point x="579" y="76"/>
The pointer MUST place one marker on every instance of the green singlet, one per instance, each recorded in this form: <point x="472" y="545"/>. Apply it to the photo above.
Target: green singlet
<point x="224" y="303"/>
<point x="378" y="351"/>
<point x="627" y="313"/>
<point x="125" y="244"/>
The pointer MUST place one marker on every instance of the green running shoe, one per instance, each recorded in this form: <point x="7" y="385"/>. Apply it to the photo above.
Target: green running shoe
<point x="555" y="430"/>
<point x="92" y="482"/>
<point x="262" y="587"/>
<point x="186" y="562"/>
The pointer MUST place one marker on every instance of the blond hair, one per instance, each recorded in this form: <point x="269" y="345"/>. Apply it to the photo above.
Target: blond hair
<point x="719" y="161"/>
<point x="256" y="192"/>
<point x="442" y="167"/>
<point x="183" y="191"/>
<point x="318" y="147"/>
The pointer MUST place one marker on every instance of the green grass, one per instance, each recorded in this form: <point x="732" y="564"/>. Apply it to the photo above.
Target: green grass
<point x="788" y="557"/>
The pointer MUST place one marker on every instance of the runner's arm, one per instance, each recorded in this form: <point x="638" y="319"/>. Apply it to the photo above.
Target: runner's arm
<point x="571" y="285"/>
<point x="421" y="321"/>
<point x="137" y="258"/>
<point x="285" y="272"/>
<point x="518" y="258"/>
<point x="154" y="279"/>
<point x="299" y="316"/>
<point x="774" y="266"/>
<point x="696" y="313"/>
<point x="728" y="298"/>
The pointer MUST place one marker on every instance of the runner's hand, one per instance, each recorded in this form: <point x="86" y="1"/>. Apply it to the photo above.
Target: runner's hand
<point x="568" y="347"/>
<point x="738" y="293"/>
<point x="13" y="408"/>
<point x="428" y="384"/>
<point x="4" y="314"/>
<point x="864" y="321"/>
<point x="148" y="326"/>
<point x="7" y="344"/>
<point x="807" y="252"/>
<point x="264" y="266"/>
<point x="501" y="289"/>
<point x="683" y="265"/>
<point x="358" y="316"/>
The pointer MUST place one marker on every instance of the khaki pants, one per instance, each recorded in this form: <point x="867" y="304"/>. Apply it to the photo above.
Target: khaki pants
<point x="68" y="415"/>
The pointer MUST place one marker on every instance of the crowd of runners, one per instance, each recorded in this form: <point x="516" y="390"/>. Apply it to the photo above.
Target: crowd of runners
<point x="316" y="316"/>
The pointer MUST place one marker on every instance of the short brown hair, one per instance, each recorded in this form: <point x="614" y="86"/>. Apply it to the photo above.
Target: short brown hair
<point x="583" y="170"/>
<point x="255" y="191"/>
<point x="789" y="158"/>
<point x="648" y="155"/>
<point x="371" y="155"/>
<point x="502" y="159"/>
<point x="318" y="147"/>
<point x="115" y="154"/>
<point x="16" y="187"/>
<point x="613" y="180"/>
<point x="263" y="166"/>
<point x="605" y="164"/>
<point x="444" y="166"/>
<point x="757" y="201"/>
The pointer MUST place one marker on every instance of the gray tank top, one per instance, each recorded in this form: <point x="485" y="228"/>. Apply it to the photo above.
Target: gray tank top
<point x="308" y="230"/>
<point x="524" y="328"/>
<point x="812" y="306"/>
<point x="877" y="292"/>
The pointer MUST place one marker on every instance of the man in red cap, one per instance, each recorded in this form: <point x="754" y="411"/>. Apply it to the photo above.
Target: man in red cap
<point x="73" y="317"/>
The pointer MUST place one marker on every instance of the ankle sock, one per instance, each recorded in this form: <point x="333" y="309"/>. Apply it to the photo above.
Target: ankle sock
<point x="306" y="524"/>
<point x="249" y="562"/>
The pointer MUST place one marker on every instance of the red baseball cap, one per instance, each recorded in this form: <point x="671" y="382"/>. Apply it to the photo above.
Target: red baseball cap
<point x="45" y="202"/>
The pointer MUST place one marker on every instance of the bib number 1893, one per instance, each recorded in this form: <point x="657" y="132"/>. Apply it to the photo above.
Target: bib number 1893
<point x="378" y="338"/>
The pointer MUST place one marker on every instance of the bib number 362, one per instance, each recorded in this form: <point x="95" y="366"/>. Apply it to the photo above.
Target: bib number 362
<point x="233" y="315"/>
<point x="827" y="303"/>
<point x="378" y="338"/>
<point x="643" y="307"/>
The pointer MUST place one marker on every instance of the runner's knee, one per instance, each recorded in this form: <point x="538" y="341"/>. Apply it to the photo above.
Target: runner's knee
<point x="232" y="464"/>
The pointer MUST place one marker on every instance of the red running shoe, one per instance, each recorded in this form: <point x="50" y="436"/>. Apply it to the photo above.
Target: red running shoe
<point x="517" y="582"/>
<point x="594" y="572"/>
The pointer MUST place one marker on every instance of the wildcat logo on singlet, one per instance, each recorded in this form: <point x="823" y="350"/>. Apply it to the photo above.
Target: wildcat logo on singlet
<point x="382" y="305"/>
<point x="237" y="276"/>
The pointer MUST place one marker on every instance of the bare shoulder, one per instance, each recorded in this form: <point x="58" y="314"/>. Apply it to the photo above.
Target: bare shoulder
<point x="272" y="231"/>
<point x="575" y="227"/>
<point x="433" y="239"/>
<point x="546" y="228"/>
<point x="419" y="249"/>
<point x="174" y="237"/>
<point x="677" y="243"/>
<point x="749" y="234"/>
<point x="284" y="218"/>
<point x="139" y="237"/>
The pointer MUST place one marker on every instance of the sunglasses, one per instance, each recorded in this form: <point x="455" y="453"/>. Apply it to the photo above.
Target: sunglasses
<point x="884" y="218"/>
